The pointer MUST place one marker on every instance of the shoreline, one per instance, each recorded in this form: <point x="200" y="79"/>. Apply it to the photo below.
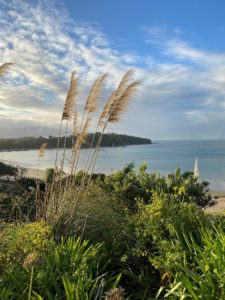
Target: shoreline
<point x="216" y="185"/>
<point x="217" y="208"/>
<point x="34" y="173"/>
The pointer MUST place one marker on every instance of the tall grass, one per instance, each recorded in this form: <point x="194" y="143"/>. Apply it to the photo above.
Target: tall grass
<point x="116" y="104"/>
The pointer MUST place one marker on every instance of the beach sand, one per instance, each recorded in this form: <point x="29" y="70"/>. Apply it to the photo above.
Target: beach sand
<point x="34" y="173"/>
<point x="219" y="207"/>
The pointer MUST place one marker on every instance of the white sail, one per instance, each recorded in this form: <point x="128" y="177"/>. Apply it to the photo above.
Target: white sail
<point x="196" y="171"/>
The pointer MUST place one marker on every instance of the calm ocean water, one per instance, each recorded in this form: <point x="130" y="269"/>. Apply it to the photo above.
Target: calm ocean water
<point x="163" y="157"/>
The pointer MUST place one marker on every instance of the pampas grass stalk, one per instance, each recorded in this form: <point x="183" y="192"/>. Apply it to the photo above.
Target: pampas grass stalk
<point x="91" y="106"/>
<point x="115" y="106"/>
<point x="67" y="111"/>
<point x="81" y="139"/>
<point x="41" y="153"/>
<point x="63" y="199"/>
<point x="107" y="107"/>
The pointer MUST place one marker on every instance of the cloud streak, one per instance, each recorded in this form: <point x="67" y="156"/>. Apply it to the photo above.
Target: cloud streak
<point x="183" y="88"/>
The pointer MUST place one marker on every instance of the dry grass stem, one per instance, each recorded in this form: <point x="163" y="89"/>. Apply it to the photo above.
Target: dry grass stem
<point x="75" y="124"/>
<point x="63" y="196"/>
<point x="70" y="99"/>
<point x="83" y="135"/>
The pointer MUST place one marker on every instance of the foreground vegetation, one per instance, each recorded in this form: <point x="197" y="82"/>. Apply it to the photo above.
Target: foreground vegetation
<point x="143" y="232"/>
<point x="130" y="235"/>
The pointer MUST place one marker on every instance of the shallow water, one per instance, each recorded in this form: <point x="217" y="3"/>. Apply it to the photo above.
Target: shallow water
<point x="163" y="157"/>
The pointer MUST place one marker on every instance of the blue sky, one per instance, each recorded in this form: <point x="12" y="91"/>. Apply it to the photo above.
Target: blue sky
<point x="176" y="47"/>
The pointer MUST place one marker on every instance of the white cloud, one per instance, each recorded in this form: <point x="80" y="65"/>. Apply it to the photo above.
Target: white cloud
<point x="182" y="90"/>
<point x="46" y="47"/>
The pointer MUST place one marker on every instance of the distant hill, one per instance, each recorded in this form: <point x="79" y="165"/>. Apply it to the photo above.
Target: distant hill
<point x="108" y="140"/>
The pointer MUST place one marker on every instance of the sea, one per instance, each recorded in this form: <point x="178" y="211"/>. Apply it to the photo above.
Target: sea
<point x="161" y="157"/>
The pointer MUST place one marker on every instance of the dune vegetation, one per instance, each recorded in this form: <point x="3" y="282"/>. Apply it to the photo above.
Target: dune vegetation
<point x="128" y="235"/>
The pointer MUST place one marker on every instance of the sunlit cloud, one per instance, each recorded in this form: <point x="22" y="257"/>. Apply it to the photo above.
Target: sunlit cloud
<point x="182" y="87"/>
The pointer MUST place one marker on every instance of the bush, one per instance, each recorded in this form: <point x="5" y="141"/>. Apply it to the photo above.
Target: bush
<point x="187" y="188"/>
<point x="201" y="273"/>
<point x="17" y="241"/>
<point x="7" y="170"/>
<point x="96" y="216"/>
<point x="49" y="175"/>
<point x="130" y="186"/>
<point x="17" y="207"/>
<point x="157" y="226"/>
<point x="71" y="266"/>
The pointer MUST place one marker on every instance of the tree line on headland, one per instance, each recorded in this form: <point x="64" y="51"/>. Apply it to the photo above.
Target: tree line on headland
<point x="108" y="140"/>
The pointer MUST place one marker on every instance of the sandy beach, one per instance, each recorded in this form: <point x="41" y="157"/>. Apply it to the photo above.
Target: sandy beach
<point x="219" y="206"/>
<point x="40" y="174"/>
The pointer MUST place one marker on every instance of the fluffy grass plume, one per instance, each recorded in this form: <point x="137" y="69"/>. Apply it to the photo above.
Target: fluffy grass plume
<point x="120" y="104"/>
<point x="115" y="294"/>
<point x="70" y="99"/>
<point x="42" y="149"/>
<point x="5" y="68"/>
<point x="110" y="103"/>
<point x="91" y="104"/>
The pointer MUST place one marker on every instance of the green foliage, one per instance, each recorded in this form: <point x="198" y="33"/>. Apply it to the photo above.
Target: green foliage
<point x="7" y="170"/>
<point x="157" y="226"/>
<point x="17" y="241"/>
<point x="69" y="270"/>
<point x="201" y="273"/>
<point x="96" y="216"/>
<point x="187" y="188"/>
<point x="49" y="175"/>
<point x="17" y="201"/>
<point x="26" y="183"/>
<point x="130" y="186"/>
<point x="17" y="207"/>
<point x="148" y="226"/>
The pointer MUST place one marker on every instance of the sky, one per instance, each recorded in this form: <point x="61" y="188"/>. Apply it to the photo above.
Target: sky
<point x="177" y="49"/>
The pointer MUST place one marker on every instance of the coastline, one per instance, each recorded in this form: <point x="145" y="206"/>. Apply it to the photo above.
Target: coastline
<point x="218" y="207"/>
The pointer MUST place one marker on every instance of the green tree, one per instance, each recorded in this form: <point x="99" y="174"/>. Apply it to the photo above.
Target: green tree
<point x="7" y="170"/>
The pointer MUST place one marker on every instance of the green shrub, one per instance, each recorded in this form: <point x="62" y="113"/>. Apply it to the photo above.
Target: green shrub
<point x="201" y="273"/>
<point x="157" y="226"/>
<point x="17" y="241"/>
<point x="49" y="175"/>
<point x="154" y="257"/>
<point x="7" y="170"/>
<point x="130" y="186"/>
<point x="187" y="188"/>
<point x="69" y="270"/>
<point x="98" y="217"/>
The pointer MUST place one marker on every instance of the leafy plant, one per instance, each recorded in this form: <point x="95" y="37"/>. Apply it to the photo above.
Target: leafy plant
<point x="18" y="241"/>
<point x="70" y="270"/>
<point x="201" y="273"/>
<point x="131" y="185"/>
